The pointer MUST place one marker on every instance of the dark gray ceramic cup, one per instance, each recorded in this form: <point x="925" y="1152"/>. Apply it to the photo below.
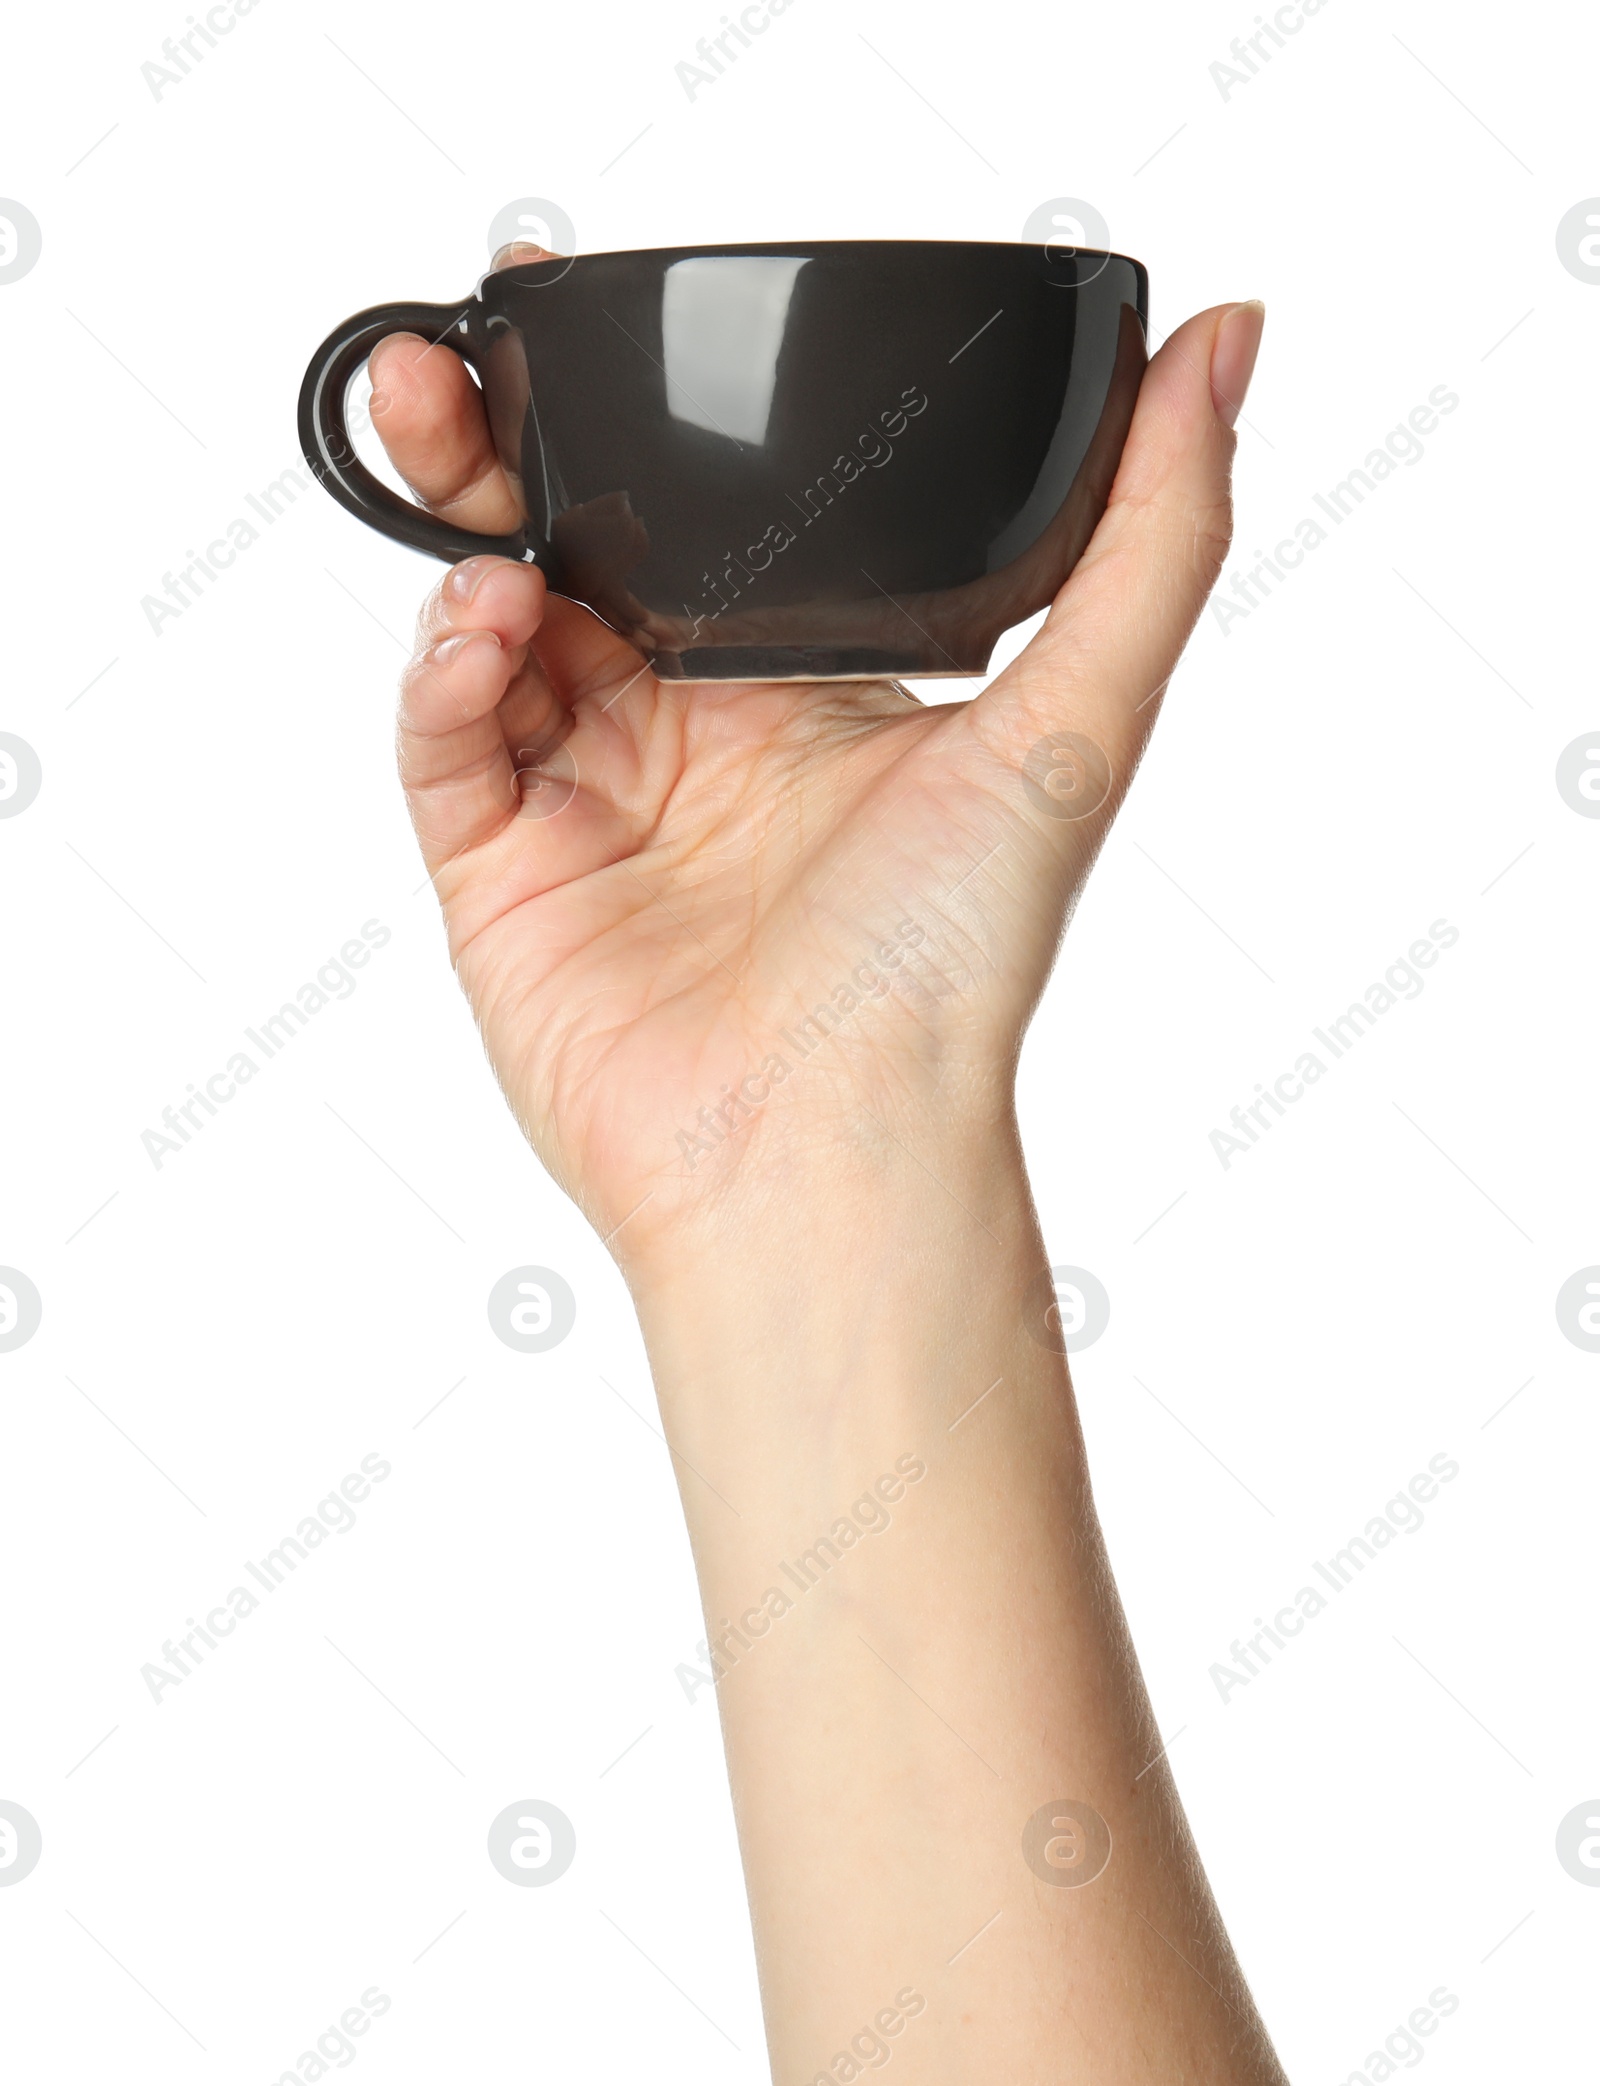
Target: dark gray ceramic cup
<point x="801" y="461"/>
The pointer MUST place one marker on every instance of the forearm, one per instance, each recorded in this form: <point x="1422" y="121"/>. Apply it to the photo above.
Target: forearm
<point x="921" y="1648"/>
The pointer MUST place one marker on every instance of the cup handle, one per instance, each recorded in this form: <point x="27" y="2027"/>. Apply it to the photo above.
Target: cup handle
<point x="325" y="436"/>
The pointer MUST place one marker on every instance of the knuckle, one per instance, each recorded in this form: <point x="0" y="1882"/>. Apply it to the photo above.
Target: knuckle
<point x="472" y="476"/>
<point x="1210" y="534"/>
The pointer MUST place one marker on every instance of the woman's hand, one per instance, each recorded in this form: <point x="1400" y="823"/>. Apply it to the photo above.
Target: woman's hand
<point x="754" y="963"/>
<point x="704" y="927"/>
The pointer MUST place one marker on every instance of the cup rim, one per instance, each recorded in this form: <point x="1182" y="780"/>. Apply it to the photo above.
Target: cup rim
<point x="777" y="248"/>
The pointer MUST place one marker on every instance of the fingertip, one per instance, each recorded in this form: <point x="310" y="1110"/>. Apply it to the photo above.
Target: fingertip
<point x="449" y="649"/>
<point x="424" y="394"/>
<point x="463" y="583"/>
<point x="1181" y="419"/>
<point x="520" y="251"/>
<point x="1204" y="366"/>
<point x="489" y="592"/>
<point x="1116" y="629"/>
<point x="1234" y="347"/>
<point x="392" y="370"/>
<point x="452" y="682"/>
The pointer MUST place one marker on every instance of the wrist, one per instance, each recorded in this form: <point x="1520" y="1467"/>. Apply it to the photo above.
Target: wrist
<point x="851" y="1290"/>
<point x="820" y="1185"/>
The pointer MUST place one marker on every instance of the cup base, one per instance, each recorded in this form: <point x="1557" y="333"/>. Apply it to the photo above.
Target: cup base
<point x="809" y="663"/>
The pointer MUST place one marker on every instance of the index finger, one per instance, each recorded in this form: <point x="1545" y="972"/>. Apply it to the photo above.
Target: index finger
<point x="430" y="417"/>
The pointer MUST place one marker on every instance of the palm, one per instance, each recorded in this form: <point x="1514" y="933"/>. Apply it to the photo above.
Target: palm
<point x="691" y="877"/>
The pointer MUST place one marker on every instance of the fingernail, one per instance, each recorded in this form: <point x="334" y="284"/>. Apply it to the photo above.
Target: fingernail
<point x="466" y="579"/>
<point x="1233" y="358"/>
<point x="377" y="362"/>
<point x="450" y="648"/>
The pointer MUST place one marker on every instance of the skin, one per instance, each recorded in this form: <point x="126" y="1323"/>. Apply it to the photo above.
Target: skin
<point x="838" y="1276"/>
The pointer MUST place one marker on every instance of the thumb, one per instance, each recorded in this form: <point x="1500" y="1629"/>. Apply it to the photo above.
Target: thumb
<point x="1101" y="660"/>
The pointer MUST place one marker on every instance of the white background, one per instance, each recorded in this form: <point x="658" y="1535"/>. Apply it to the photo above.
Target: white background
<point x="226" y="1338"/>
